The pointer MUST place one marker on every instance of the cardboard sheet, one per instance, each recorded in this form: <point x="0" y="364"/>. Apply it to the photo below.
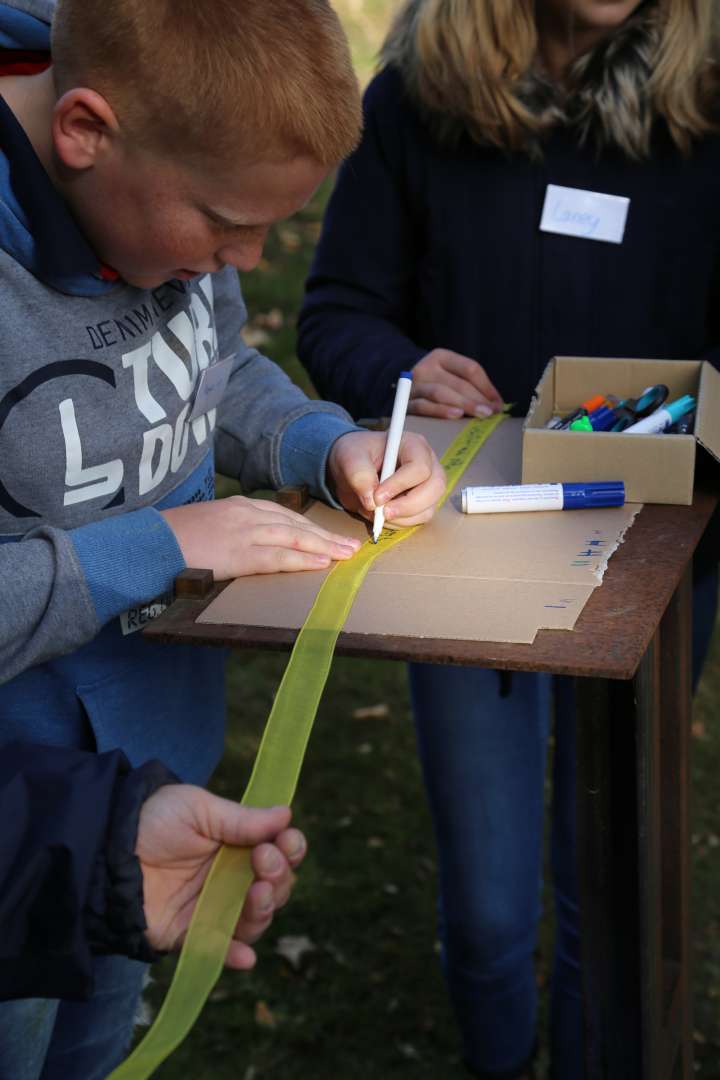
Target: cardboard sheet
<point x="485" y="577"/>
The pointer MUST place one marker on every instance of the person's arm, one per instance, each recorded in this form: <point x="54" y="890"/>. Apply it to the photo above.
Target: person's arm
<point x="269" y="433"/>
<point x="96" y="857"/>
<point x="712" y="354"/>
<point x="60" y="587"/>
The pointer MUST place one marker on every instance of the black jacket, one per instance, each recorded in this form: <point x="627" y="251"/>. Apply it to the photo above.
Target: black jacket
<point x="425" y="246"/>
<point x="70" y="884"/>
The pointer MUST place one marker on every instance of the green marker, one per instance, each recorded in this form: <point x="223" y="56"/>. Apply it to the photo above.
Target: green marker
<point x="581" y="424"/>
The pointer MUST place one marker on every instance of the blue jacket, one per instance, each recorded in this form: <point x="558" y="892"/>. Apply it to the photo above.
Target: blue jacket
<point x="70" y="884"/>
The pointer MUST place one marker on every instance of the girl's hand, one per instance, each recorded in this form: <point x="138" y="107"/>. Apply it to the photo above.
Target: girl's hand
<point x="449" y="385"/>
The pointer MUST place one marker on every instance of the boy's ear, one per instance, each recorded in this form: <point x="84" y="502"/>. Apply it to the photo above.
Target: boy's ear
<point x="83" y="126"/>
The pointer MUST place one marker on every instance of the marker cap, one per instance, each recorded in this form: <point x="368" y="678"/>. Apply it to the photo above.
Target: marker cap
<point x="598" y="493"/>
<point x="582" y="424"/>
<point x="602" y="419"/>
<point x="405" y="375"/>
<point x="651" y="398"/>
<point x="680" y="407"/>
<point x="594" y="402"/>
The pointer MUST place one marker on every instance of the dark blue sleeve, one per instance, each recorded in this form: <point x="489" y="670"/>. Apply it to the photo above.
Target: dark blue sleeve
<point x="353" y="327"/>
<point x="70" y="884"/>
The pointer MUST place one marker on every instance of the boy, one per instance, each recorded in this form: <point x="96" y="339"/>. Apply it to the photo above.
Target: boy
<point x="140" y="172"/>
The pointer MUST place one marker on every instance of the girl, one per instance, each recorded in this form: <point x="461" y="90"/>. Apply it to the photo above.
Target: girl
<point x="431" y="258"/>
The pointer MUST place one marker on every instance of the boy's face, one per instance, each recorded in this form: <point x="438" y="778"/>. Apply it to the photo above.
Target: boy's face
<point x="153" y="219"/>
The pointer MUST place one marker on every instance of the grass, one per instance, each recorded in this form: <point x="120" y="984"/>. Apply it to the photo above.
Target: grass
<point x="366" y="997"/>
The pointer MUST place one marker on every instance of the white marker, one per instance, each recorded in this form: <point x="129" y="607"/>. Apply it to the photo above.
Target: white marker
<point x="511" y="498"/>
<point x="392" y="446"/>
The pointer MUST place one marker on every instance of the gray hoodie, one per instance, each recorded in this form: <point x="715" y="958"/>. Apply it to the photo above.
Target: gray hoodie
<point x="97" y="389"/>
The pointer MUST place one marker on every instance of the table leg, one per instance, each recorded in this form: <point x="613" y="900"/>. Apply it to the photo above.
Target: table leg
<point x="633" y="856"/>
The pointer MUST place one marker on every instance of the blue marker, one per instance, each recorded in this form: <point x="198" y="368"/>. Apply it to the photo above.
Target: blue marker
<point x="524" y="497"/>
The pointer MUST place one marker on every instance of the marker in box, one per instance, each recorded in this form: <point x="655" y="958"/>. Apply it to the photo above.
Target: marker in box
<point x="663" y="418"/>
<point x="601" y="419"/>
<point x="588" y="406"/>
<point x="515" y="498"/>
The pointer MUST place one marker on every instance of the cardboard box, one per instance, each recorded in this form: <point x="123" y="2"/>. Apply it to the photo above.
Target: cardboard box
<point x="480" y="577"/>
<point x="655" y="468"/>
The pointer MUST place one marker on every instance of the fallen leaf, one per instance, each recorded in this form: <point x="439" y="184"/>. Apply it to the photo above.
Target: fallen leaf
<point x="390" y="889"/>
<point x="371" y="712"/>
<point x="698" y="729"/>
<point x="270" y="320"/>
<point x="293" y="947"/>
<point x="255" y="337"/>
<point x="375" y="842"/>
<point x="219" y="995"/>
<point x="144" y="1014"/>
<point x="289" y="239"/>
<point x="365" y="748"/>
<point x="263" y="1015"/>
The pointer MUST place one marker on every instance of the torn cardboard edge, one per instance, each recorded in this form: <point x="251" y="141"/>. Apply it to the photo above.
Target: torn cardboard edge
<point x="495" y="577"/>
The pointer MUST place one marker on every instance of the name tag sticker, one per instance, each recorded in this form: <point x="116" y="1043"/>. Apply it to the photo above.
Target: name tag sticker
<point x="590" y="215"/>
<point x="211" y="387"/>
<point x="137" y="618"/>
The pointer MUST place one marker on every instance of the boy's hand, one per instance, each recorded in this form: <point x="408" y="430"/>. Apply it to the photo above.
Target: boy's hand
<point x="180" y="830"/>
<point x="449" y="385"/>
<point x="238" y="536"/>
<point x="409" y="495"/>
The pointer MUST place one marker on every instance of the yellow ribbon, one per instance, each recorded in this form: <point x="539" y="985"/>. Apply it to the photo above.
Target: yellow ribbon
<point x="274" y="779"/>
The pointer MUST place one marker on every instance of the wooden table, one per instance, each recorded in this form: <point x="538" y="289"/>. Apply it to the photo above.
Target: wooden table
<point x="631" y="652"/>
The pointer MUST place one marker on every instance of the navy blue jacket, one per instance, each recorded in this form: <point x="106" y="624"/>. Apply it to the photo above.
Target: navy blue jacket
<point x="425" y="246"/>
<point x="70" y="884"/>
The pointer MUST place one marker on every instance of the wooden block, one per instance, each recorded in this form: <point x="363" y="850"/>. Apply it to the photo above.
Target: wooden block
<point x="193" y="584"/>
<point x="293" y="497"/>
<point x="381" y="423"/>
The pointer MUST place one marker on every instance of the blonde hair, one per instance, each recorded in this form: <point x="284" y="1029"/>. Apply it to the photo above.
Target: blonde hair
<point x="189" y="77"/>
<point x="473" y="65"/>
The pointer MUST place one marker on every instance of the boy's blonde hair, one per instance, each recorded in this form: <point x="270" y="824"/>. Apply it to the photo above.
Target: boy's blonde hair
<point x="264" y="80"/>
<point x="473" y="65"/>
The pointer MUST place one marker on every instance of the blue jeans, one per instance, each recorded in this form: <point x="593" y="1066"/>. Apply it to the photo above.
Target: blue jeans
<point x="483" y="759"/>
<point x="67" y="1040"/>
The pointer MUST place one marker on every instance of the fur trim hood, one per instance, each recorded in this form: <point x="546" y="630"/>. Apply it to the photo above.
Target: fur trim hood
<point x="604" y="99"/>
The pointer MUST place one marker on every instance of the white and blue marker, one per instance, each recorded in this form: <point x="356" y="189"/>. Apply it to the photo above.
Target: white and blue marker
<point x="516" y="498"/>
<point x="662" y="418"/>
